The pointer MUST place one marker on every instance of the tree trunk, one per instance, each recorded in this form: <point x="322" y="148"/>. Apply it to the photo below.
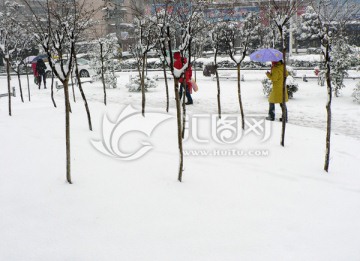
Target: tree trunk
<point x="72" y="87"/>
<point x="166" y="87"/>
<point x="284" y="107"/>
<point x="218" y="91"/>
<point x="52" y="90"/>
<point x="183" y="108"/>
<point x="20" y="87"/>
<point x="102" y="71"/>
<point x="28" y="83"/>
<point x="239" y="97"/>
<point x="8" y="82"/>
<point x="328" y="109"/>
<point x="178" y="116"/>
<point x="83" y="94"/>
<point x="143" y="98"/>
<point x="67" y="130"/>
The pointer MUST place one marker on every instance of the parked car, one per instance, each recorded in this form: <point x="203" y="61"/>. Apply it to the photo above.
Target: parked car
<point x="83" y="65"/>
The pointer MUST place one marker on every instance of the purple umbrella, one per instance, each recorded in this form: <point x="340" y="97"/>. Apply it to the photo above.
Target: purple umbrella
<point x="41" y="56"/>
<point x="266" y="55"/>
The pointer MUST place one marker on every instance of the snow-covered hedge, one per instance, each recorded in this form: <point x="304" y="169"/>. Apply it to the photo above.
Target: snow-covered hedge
<point x="356" y="93"/>
<point x="305" y="61"/>
<point x="291" y="85"/>
<point x="135" y="84"/>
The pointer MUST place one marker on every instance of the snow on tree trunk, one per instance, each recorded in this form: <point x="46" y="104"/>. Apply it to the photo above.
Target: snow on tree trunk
<point x="166" y="87"/>
<point x="143" y="98"/>
<point x="179" y="129"/>
<point x="52" y="90"/>
<point x="8" y="82"/>
<point x="328" y="109"/>
<point x="77" y="74"/>
<point x="239" y="97"/>
<point x="19" y="80"/>
<point x="28" y="83"/>
<point x="67" y="130"/>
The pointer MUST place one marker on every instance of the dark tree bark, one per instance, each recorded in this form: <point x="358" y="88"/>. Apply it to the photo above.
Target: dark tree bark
<point x="328" y="108"/>
<point x="72" y="87"/>
<point x="166" y="87"/>
<point x="284" y="106"/>
<point x="178" y="117"/>
<point x="102" y="70"/>
<point x="28" y="83"/>
<point x="8" y="82"/>
<point x="52" y="90"/>
<point x="217" y="83"/>
<point x="67" y="130"/>
<point x="20" y="87"/>
<point x="77" y="74"/>
<point x="183" y="108"/>
<point x="143" y="98"/>
<point x="239" y="97"/>
<point x="218" y="90"/>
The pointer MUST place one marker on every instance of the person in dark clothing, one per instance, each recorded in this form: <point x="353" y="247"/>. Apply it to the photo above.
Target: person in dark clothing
<point x="41" y="70"/>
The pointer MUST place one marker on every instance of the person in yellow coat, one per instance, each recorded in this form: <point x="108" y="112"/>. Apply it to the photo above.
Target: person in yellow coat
<point x="276" y="75"/>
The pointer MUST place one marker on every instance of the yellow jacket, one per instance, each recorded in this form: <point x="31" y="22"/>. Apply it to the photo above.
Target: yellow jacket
<point x="277" y="77"/>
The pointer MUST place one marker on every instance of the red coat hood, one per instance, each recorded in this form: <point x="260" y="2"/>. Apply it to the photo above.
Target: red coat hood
<point x="177" y="56"/>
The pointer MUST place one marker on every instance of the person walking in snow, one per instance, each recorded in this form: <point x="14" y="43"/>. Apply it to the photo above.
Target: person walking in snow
<point x="41" y="70"/>
<point x="276" y="75"/>
<point x="178" y="64"/>
<point x="36" y="75"/>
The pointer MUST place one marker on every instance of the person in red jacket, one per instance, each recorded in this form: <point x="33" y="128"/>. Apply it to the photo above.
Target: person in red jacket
<point x="178" y="64"/>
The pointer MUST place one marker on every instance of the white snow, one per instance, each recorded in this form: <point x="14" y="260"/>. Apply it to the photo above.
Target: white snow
<point x="278" y="206"/>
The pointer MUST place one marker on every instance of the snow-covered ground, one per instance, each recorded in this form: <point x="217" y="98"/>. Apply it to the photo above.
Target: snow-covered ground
<point x="249" y="200"/>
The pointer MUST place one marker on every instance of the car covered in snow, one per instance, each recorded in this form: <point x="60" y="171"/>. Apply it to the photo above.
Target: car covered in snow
<point x="84" y="68"/>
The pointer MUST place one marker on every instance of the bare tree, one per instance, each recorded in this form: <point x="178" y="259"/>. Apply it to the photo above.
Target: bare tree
<point x="21" y="44"/>
<point x="218" y="43"/>
<point x="331" y="18"/>
<point x="281" y="13"/>
<point x="8" y="40"/>
<point x="57" y="31"/>
<point x="146" y="40"/>
<point x="239" y="38"/>
<point x="177" y="17"/>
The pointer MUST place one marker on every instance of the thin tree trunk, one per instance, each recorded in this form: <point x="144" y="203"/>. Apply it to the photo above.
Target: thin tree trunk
<point x="239" y="97"/>
<point x="143" y="98"/>
<point x="102" y="71"/>
<point x="52" y="89"/>
<point x="72" y="87"/>
<point x="8" y="82"/>
<point x="166" y="87"/>
<point x="67" y="130"/>
<point x="328" y="110"/>
<point x="178" y="116"/>
<point x="20" y="87"/>
<point x="28" y="83"/>
<point x="146" y="62"/>
<point x="184" y="108"/>
<point x="218" y="91"/>
<point x="83" y="94"/>
<point x="284" y="107"/>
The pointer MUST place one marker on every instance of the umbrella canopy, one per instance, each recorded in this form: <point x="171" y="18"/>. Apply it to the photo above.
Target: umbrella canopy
<point x="266" y="55"/>
<point x="29" y="59"/>
<point x="41" y="56"/>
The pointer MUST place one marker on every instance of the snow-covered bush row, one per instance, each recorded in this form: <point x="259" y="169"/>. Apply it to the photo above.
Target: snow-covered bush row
<point x="303" y="61"/>
<point x="291" y="85"/>
<point x="356" y="93"/>
<point x="135" y="85"/>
